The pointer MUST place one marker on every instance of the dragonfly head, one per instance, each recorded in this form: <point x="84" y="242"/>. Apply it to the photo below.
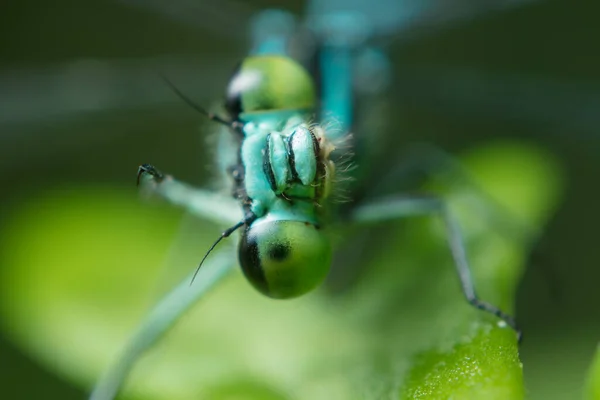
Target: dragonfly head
<point x="269" y="83"/>
<point x="284" y="259"/>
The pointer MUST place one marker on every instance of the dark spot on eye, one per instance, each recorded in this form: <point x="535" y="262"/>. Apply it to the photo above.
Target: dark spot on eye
<point x="251" y="263"/>
<point x="279" y="251"/>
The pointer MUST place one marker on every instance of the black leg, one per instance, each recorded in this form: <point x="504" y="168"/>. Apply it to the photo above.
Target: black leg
<point x="150" y="170"/>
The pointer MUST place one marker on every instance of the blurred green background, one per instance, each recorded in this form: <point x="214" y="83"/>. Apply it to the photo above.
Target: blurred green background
<point x="81" y="107"/>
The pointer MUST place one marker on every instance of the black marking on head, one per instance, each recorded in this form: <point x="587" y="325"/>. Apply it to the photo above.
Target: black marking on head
<point x="292" y="158"/>
<point x="279" y="251"/>
<point x="267" y="167"/>
<point x="233" y="99"/>
<point x="249" y="258"/>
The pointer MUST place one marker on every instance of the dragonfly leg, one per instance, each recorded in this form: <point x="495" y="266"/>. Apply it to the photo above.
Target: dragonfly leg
<point x="150" y="170"/>
<point x="201" y="203"/>
<point x="424" y="160"/>
<point x="408" y="206"/>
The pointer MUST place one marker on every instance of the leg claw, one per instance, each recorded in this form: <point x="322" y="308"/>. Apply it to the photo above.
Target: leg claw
<point x="151" y="170"/>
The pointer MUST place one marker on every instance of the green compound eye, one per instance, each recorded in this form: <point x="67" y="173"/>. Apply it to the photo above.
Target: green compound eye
<point x="284" y="259"/>
<point x="269" y="83"/>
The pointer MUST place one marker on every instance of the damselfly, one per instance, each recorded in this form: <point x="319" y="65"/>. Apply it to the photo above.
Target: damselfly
<point x="283" y="172"/>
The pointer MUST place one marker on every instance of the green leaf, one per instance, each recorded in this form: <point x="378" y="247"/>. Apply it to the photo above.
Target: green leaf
<point x="593" y="379"/>
<point x="80" y="269"/>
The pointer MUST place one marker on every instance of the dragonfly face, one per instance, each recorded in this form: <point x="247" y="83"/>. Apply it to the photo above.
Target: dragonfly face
<point x="287" y="175"/>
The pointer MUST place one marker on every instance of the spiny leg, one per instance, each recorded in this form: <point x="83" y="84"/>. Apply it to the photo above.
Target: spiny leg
<point x="201" y="203"/>
<point x="401" y="207"/>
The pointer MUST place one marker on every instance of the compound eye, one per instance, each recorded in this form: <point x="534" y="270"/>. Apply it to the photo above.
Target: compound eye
<point x="238" y="84"/>
<point x="284" y="259"/>
<point x="268" y="83"/>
